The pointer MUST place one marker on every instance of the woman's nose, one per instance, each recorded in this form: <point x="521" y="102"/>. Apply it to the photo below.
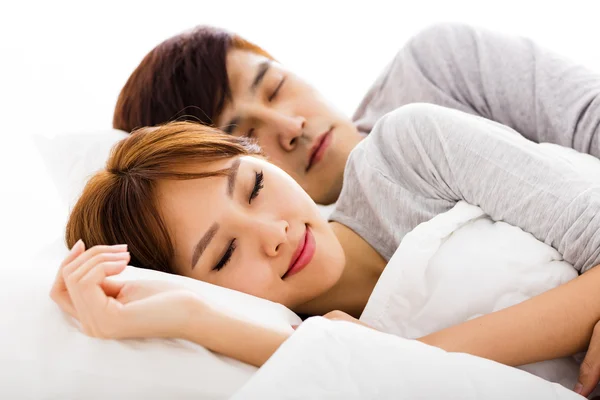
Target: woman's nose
<point x="272" y="235"/>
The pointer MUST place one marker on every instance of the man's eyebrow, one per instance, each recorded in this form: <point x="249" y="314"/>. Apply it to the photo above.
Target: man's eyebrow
<point x="263" y="67"/>
<point x="231" y="175"/>
<point x="261" y="71"/>
<point x="203" y="243"/>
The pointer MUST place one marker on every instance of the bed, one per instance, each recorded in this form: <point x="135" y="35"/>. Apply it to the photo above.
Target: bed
<point x="434" y="280"/>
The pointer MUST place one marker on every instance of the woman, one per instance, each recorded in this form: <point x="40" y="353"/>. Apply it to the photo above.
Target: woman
<point x="218" y="78"/>
<point x="191" y="201"/>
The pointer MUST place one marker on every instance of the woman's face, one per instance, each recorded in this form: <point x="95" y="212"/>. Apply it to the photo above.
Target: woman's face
<point x="297" y="129"/>
<point x="255" y="231"/>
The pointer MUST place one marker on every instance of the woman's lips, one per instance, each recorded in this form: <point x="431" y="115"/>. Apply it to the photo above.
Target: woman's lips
<point x="304" y="253"/>
<point x="319" y="148"/>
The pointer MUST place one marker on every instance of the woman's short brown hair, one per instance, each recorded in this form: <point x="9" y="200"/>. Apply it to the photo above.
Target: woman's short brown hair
<point x="184" y="78"/>
<point x="119" y="205"/>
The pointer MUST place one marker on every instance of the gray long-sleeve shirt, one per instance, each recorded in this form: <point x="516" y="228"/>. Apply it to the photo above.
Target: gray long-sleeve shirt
<point x="421" y="159"/>
<point x="508" y="79"/>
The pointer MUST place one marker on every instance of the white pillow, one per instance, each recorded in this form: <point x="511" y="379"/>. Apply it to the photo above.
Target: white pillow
<point x="43" y="354"/>
<point x="71" y="159"/>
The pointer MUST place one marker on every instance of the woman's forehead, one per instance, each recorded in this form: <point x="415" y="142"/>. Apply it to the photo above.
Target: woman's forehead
<point x="168" y="190"/>
<point x="174" y="192"/>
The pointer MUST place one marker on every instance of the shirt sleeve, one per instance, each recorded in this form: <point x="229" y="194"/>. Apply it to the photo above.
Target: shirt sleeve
<point x="505" y="78"/>
<point x="421" y="159"/>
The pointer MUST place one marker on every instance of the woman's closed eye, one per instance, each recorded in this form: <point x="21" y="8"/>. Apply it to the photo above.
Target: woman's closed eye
<point x="226" y="257"/>
<point x="258" y="185"/>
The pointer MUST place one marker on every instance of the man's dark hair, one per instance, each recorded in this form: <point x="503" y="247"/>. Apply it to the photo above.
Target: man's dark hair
<point x="184" y="78"/>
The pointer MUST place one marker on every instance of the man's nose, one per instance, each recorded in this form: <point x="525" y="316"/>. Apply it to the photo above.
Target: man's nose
<point x="289" y="131"/>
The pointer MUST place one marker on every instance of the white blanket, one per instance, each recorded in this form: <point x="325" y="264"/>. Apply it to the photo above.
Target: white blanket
<point x="339" y="360"/>
<point x="461" y="265"/>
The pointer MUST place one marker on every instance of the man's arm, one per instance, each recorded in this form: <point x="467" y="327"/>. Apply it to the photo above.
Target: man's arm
<point x="505" y="78"/>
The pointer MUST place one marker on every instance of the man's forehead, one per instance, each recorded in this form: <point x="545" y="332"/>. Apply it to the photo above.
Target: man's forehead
<point x="242" y="66"/>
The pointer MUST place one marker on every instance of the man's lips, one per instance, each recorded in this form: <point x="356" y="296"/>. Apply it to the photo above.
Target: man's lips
<point x="303" y="254"/>
<point x="318" y="149"/>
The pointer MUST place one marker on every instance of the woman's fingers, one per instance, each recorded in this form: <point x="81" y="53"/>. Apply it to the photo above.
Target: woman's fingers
<point x="79" y="272"/>
<point x="59" y="293"/>
<point x="77" y="257"/>
<point x="112" y="288"/>
<point x="91" y="253"/>
<point x="76" y="250"/>
<point x="89" y="299"/>
<point x="160" y="314"/>
<point x="101" y="304"/>
<point x="589" y="372"/>
<point x="338" y="315"/>
<point x="79" y="267"/>
<point x="59" y="283"/>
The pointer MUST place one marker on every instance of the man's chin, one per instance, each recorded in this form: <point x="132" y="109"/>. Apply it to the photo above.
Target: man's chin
<point x="329" y="193"/>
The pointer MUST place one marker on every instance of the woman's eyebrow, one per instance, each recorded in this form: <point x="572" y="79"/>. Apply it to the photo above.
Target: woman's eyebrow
<point x="231" y="176"/>
<point x="212" y="231"/>
<point x="203" y="243"/>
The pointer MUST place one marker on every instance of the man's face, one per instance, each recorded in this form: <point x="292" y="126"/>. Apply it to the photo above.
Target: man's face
<point x="297" y="129"/>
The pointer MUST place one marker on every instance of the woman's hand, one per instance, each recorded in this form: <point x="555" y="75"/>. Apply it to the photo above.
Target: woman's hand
<point x="589" y="372"/>
<point x="137" y="309"/>
<point x="110" y="309"/>
<point x="337" y="315"/>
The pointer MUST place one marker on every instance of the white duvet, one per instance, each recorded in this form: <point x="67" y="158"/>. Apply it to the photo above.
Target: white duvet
<point x="462" y="265"/>
<point x="455" y="267"/>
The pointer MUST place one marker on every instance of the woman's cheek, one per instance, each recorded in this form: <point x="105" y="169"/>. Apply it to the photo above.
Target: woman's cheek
<point x="287" y="196"/>
<point x="253" y="279"/>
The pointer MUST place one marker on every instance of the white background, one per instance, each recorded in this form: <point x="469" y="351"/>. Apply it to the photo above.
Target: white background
<point x="62" y="65"/>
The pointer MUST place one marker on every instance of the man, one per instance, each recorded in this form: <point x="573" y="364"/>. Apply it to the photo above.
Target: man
<point x="218" y="78"/>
